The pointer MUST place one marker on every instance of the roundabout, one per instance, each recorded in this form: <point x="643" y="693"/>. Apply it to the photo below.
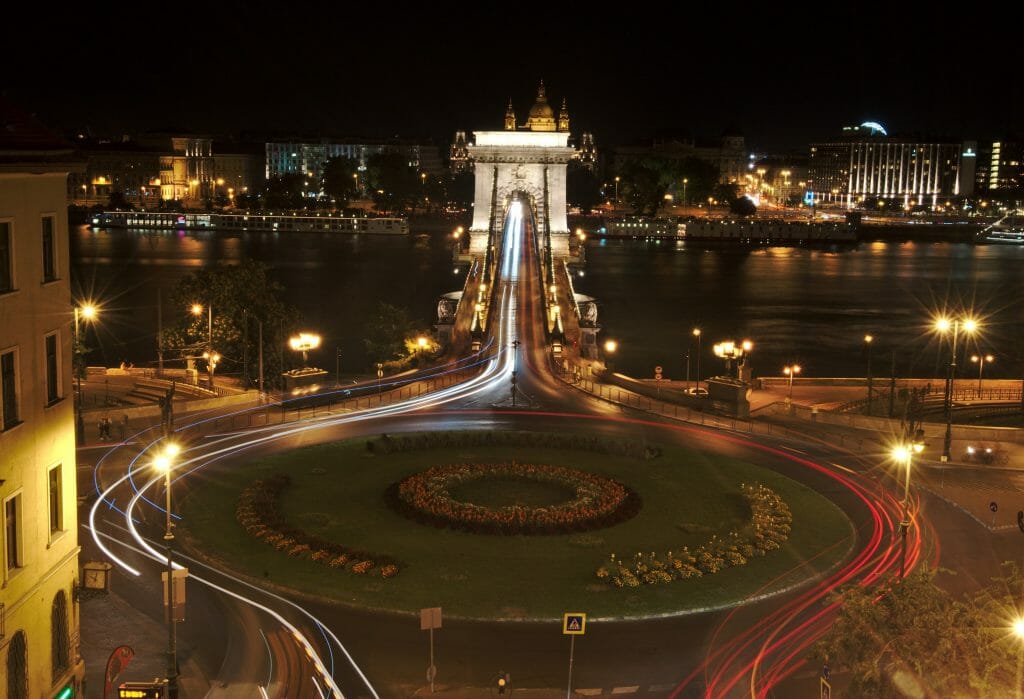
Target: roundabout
<point x="518" y="530"/>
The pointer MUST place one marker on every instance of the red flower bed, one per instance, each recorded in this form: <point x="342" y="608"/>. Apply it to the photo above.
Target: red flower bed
<point x="598" y="502"/>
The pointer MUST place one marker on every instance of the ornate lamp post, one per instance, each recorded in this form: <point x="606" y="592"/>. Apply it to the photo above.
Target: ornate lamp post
<point x="304" y="342"/>
<point x="164" y="463"/>
<point x="86" y="311"/>
<point x="945" y="325"/>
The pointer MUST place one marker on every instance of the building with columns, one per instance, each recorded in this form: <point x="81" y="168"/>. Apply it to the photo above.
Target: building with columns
<point x="525" y="160"/>
<point x="866" y="163"/>
<point x="39" y="612"/>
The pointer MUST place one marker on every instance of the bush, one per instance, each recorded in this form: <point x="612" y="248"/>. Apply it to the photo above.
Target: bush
<point x="770" y="524"/>
<point x="258" y="513"/>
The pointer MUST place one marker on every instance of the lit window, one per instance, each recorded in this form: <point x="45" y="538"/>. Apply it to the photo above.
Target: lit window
<point x="12" y="533"/>
<point x="52" y="370"/>
<point x="9" y="389"/>
<point x="6" y="259"/>
<point x="56" y="487"/>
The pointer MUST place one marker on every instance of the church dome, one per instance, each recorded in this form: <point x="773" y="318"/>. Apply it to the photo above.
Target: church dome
<point x="542" y="110"/>
<point x="542" y="116"/>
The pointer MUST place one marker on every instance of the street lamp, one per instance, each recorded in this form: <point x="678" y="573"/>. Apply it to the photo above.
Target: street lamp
<point x="867" y="344"/>
<point x="903" y="454"/>
<point x="730" y="352"/>
<point x="945" y="325"/>
<point x="86" y="311"/>
<point x="686" y="180"/>
<point x="791" y="371"/>
<point x="610" y="348"/>
<point x="164" y="463"/>
<point x="209" y="355"/>
<point x="304" y="342"/>
<point x="981" y="361"/>
<point x="696" y="334"/>
<point x="617" y="178"/>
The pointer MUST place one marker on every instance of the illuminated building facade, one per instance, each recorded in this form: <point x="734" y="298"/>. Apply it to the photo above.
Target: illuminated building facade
<point x="39" y="613"/>
<point x="867" y="163"/>
<point x="1000" y="167"/>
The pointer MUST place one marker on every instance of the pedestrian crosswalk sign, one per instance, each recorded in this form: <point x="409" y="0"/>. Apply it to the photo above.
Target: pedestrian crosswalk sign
<point x="574" y="623"/>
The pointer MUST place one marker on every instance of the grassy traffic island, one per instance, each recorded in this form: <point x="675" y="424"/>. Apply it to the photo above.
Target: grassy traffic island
<point x="515" y="525"/>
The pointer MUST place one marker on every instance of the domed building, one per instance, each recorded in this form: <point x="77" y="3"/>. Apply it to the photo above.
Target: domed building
<point x="541" y="116"/>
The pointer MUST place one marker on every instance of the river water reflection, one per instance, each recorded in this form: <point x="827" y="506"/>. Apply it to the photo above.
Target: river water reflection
<point x="811" y="306"/>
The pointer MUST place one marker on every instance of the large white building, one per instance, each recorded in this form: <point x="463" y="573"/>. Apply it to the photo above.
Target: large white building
<point x="866" y="163"/>
<point x="39" y="616"/>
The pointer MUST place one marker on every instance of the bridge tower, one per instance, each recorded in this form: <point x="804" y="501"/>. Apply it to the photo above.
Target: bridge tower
<point x="530" y="159"/>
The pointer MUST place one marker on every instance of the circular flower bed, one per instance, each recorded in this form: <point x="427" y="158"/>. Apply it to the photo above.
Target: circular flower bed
<point x="597" y="502"/>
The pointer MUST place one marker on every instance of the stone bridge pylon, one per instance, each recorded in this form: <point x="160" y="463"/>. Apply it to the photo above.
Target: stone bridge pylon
<point x="528" y="159"/>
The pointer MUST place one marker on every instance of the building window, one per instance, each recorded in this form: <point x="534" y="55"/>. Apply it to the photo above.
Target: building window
<point x="52" y="370"/>
<point x="8" y="389"/>
<point x="49" y="249"/>
<point x="61" y="641"/>
<point x="17" y="667"/>
<point x="6" y="259"/>
<point x="56" y="499"/>
<point x="12" y="533"/>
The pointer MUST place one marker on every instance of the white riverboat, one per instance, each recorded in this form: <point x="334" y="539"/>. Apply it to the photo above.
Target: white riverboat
<point x="1008" y="229"/>
<point x="251" y="222"/>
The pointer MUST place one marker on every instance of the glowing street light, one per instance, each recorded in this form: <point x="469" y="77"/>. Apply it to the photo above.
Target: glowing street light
<point x="610" y="348"/>
<point x="164" y="463"/>
<point x="868" y="339"/>
<point x="209" y="355"/>
<point x="304" y="342"/>
<point x="943" y="325"/>
<point x="981" y="360"/>
<point x="86" y="311"/>
<point x="730" y="352"/>
<point x="903" y="454"/>
<point x="791" y="371"/>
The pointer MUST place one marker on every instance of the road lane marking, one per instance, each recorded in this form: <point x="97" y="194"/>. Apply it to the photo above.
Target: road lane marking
<point x="626" y="690"/>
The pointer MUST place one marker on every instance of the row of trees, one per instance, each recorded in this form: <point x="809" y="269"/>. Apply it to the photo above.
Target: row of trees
<point x="644" y="183"/>
<point x="245" y="297"/>
<point x="389" y="180"/>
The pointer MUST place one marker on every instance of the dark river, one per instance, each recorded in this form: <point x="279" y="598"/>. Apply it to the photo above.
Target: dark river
<point x="811" y="306"/>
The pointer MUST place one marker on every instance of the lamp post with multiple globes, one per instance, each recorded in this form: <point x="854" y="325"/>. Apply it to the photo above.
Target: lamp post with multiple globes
<point x="165" y="464"/>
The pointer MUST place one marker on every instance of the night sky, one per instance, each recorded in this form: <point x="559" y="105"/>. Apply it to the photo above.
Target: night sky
<point x="781" y="80"/>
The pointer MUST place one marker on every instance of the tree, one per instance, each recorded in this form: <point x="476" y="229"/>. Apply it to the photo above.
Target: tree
<point x="285" y="192"/>
<point x="386" y="332"/>
<point x="726" y="192"/>
<point x="118" y="202"/>
<point x="395" y="184"/>
<point x="242" y="296"/>
<point x="462" y="189"/>
<point x="912" y="638"/>
<point x="742" y="206"/>
<point x="340" y="180"/>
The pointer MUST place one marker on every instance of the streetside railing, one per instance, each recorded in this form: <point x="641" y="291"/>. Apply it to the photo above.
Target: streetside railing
<point x="578" y="377"/>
